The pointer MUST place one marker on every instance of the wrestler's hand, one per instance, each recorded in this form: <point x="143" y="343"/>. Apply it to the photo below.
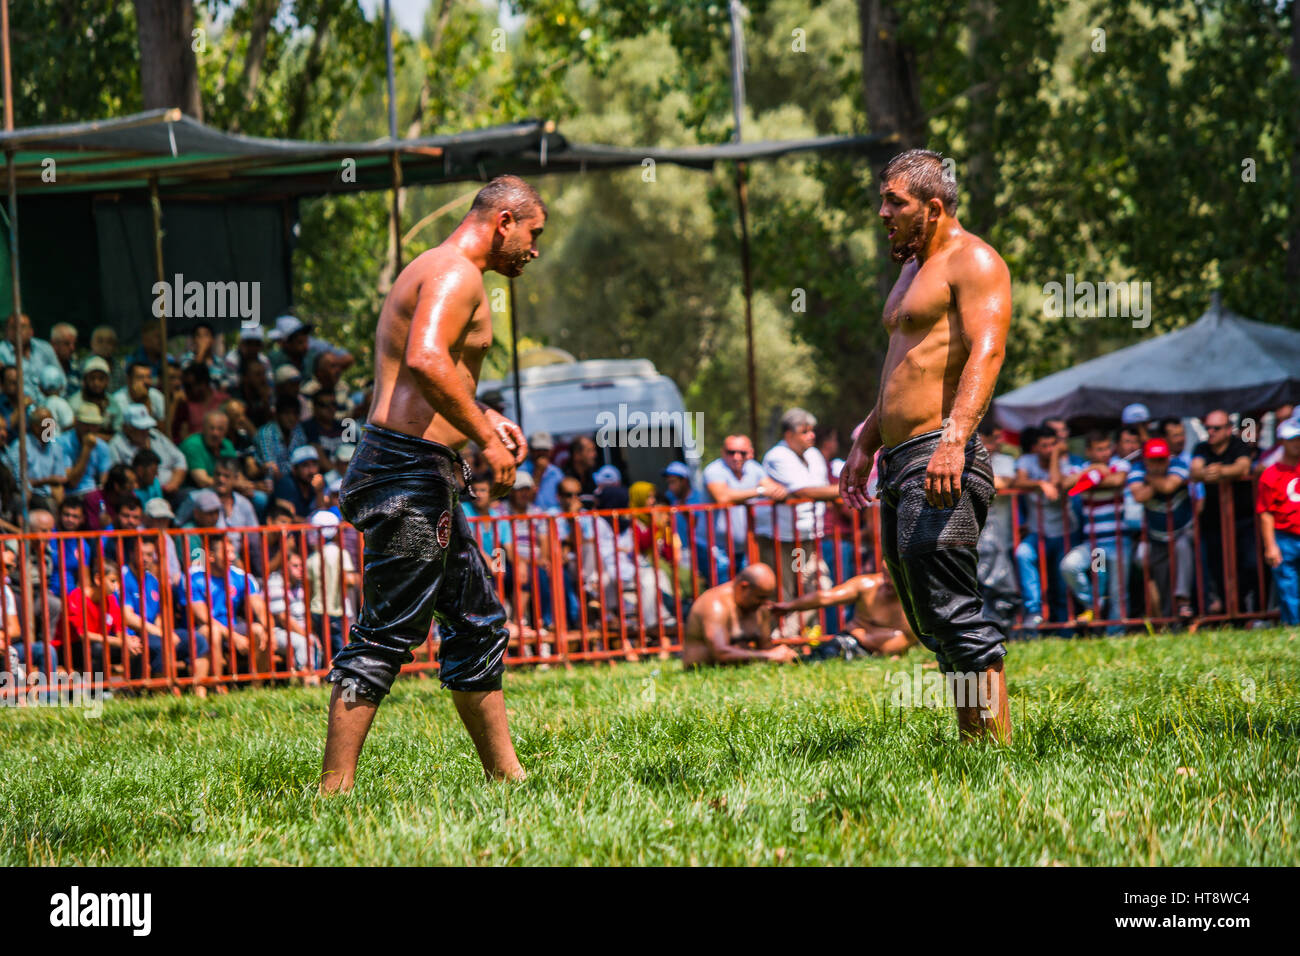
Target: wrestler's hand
<point x="501" y="462"/>
<point x="783" y="654"/>
<point x="943" y="477"/>
<point x="511" y="435"/>
<point x="853" y="479"/>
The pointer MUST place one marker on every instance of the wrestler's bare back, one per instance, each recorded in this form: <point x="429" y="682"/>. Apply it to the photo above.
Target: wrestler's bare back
<point x="877" y="603"/>
<point x="717" y="607"/>
<point x="442" y="276"/>
<point x="926" y="349"/>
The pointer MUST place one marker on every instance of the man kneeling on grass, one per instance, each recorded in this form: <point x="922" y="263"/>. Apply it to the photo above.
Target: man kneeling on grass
<point x="878" y="622"/>
<point x="732" y="623"/>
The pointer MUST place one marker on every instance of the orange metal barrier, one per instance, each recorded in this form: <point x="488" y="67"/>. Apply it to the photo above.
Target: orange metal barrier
<point x="591" y="586"/>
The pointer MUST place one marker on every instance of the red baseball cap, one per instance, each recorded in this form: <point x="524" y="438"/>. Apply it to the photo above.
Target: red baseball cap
<point x="1088" y="480"/>
<point x="1155" y="448"/>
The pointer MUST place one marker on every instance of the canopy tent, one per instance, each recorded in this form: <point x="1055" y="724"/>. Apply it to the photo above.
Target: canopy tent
<point x="1219" y="361"/>
<point x="229" y="201"/>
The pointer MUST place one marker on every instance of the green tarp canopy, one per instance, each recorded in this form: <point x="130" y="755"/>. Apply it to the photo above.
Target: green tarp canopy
<point x="229" y="202"/>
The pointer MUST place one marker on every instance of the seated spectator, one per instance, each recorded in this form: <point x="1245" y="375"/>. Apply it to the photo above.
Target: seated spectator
<point x="732" y="623"/>
<point x="325" y="380"/>
<point x="1045" y="474"/>
<point x="734" y="479"/>
<point x="9" y="398"/>
<point x="280" y="542"/>
<point x="47" y="463"/>
<point x="302" y="491"/>
<point x="286" y="600"/>
<point x="203" y="352"/>
<point x="339" y="463"/>
<point x="545" y="472"/>
<point x="142" y="611"/>
<point x="101" y="503"/>
<point x="145" y="465"/>
<point x="491" y="535"/>
<point x="127" y="516"/>
<point x="139" y="432"/>
<point x="652" y="543"/>
<point x="252" y="480"/>
<point x="158" y="516"/>
<point x="331" y="575"/>
<point x="1222" y="463"/>
<point x="323" y="430"/>
<point x="301" y="350"/>
<point x="1278" y="506"/>
<point x="86" y="451"/>
<point x="37" y="353"/>
<point x="204" y="514"/>
<point x="92" y="621"/>
<point x="103" y="345"/>
<point x="63" y="340"/>
<point x="256" y="392"/>
<point x="137" y="391"/>
<point x="277" y="438"/>
<point x="1159" y="483"/>
<point x="197" y="398"/>
<point x="220" y="590"/>
<point x="248" y="351"/>
<point x="528" y="556"/>
<point x="94" y="387"/>
<point x="288" y="385"/>
<point x="203" y="448"/>
<point x="53" y="386"/>
<point x="1101" y="489"/>
<point x="14" y="647"/>
<point x="69" y="557"/>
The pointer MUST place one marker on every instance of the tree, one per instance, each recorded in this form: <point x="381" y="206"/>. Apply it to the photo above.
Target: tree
<point x="168" y="72"/>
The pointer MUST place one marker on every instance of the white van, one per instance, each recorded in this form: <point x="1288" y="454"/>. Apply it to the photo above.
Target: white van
<point x="635" y="414"/>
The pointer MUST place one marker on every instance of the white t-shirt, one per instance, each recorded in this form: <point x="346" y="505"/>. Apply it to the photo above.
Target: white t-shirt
<point x="782" y="465"/>
<point x="333" y="556"/>
<point x="718" y="472"/>
<point x="1004" y="466"/>
<point x="277" y="599"/>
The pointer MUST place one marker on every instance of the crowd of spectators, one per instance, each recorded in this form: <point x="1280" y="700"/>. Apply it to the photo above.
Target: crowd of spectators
<point x="256" y="436"/>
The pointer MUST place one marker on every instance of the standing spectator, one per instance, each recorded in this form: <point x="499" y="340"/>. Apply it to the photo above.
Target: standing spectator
<point x="37" y="354"/>
<point x="137" y="391"/>
<point x="1128" y="442"/>
<point x="711" y="563"/>
<point x="1222" y="464"/>
<point x="199" y="397"/>
<point x="302" y="491"/>
<point x="203" y="448"/>
<point x="1137" y="417"/>
<point x="1274" y="452"/>
<point x="139" y="432"/>
<point x="583" y="457"/>
<point x="63" y="339"/>
<point x="797" y="465"/>
<point x="1159" y="483"/>
<point x="1061" y="429"/>
<point x="87" y="452"/>
<point x="1279" y="520"/>
<point x="1044" y="473"/>
<point x="734" y="479"/>
<point x="103" y="345"/>
<point x="331" y="576"/>
<point x="278" y="437"/>
<point x="1101" y="488"/>
<point x="94" y="386"/>
<point x="47" y="463"/>
<point x="53" y="386"/>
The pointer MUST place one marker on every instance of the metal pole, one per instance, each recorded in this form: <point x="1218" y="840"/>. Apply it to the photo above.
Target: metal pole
<point x="392" y="134"/>
<point x="392" y="83"/>
<point x="15" y="318"/>
<point x="742" y="198"/>
<point x="514" y="355"/>
<point x="155" y="205"/>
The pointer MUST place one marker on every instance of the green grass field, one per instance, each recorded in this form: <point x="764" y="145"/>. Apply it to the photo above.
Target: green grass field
<point x="1153" y="750"/>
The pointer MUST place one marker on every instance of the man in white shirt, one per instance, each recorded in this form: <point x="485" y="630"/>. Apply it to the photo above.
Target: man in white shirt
<point x="793" y="548"/>
<point x="734" y="479"/>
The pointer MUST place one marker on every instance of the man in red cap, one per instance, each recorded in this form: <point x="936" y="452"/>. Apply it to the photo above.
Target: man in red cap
<point x="1278" y="504"/>
<point x="1104" y="550"/>
<point x="1159" y="483"/>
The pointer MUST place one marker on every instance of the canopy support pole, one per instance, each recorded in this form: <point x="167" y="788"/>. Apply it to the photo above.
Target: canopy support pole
<point x="164" y="373"/>
<point x="15" y="318"/>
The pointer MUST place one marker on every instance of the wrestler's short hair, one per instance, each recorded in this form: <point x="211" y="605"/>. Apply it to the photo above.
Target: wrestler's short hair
<point x="924" y="175"/>
<point x="511" y="194"/>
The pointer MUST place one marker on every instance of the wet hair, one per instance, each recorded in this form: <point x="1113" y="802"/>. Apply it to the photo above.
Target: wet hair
<point x="508" y="193"/>
<point x="922" y="174"/>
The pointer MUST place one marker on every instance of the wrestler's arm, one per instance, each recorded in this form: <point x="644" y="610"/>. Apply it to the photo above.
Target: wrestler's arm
<point x="845" y="593"/>
<point x="444" y="307"/>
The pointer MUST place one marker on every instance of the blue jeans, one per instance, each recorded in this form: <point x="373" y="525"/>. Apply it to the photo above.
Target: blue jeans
<point x="1031" y="586"/>
<point x="39" y="653"/>
<point x="1076" y="566"/>
<point x="336" y="632"/>
<point x="157" y="661"/>
<point x="1286" y="577"/>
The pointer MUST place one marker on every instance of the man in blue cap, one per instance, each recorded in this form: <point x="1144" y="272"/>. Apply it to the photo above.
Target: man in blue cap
<point x="303" y="489"/>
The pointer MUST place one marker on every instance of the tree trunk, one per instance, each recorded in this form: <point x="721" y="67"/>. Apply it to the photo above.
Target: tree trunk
<point x="263" y="13"/>
<point x="169" y="73"/>
<point x="1292" y="269"/>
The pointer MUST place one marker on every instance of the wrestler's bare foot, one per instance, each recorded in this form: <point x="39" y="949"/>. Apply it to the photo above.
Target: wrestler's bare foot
<point x="990" y="719"/>
<point x="484" y="715"/>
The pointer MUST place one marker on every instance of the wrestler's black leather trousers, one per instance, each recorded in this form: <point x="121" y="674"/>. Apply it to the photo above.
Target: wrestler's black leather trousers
<point x="420" y="562"/>
<point x="931" y="553"/>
